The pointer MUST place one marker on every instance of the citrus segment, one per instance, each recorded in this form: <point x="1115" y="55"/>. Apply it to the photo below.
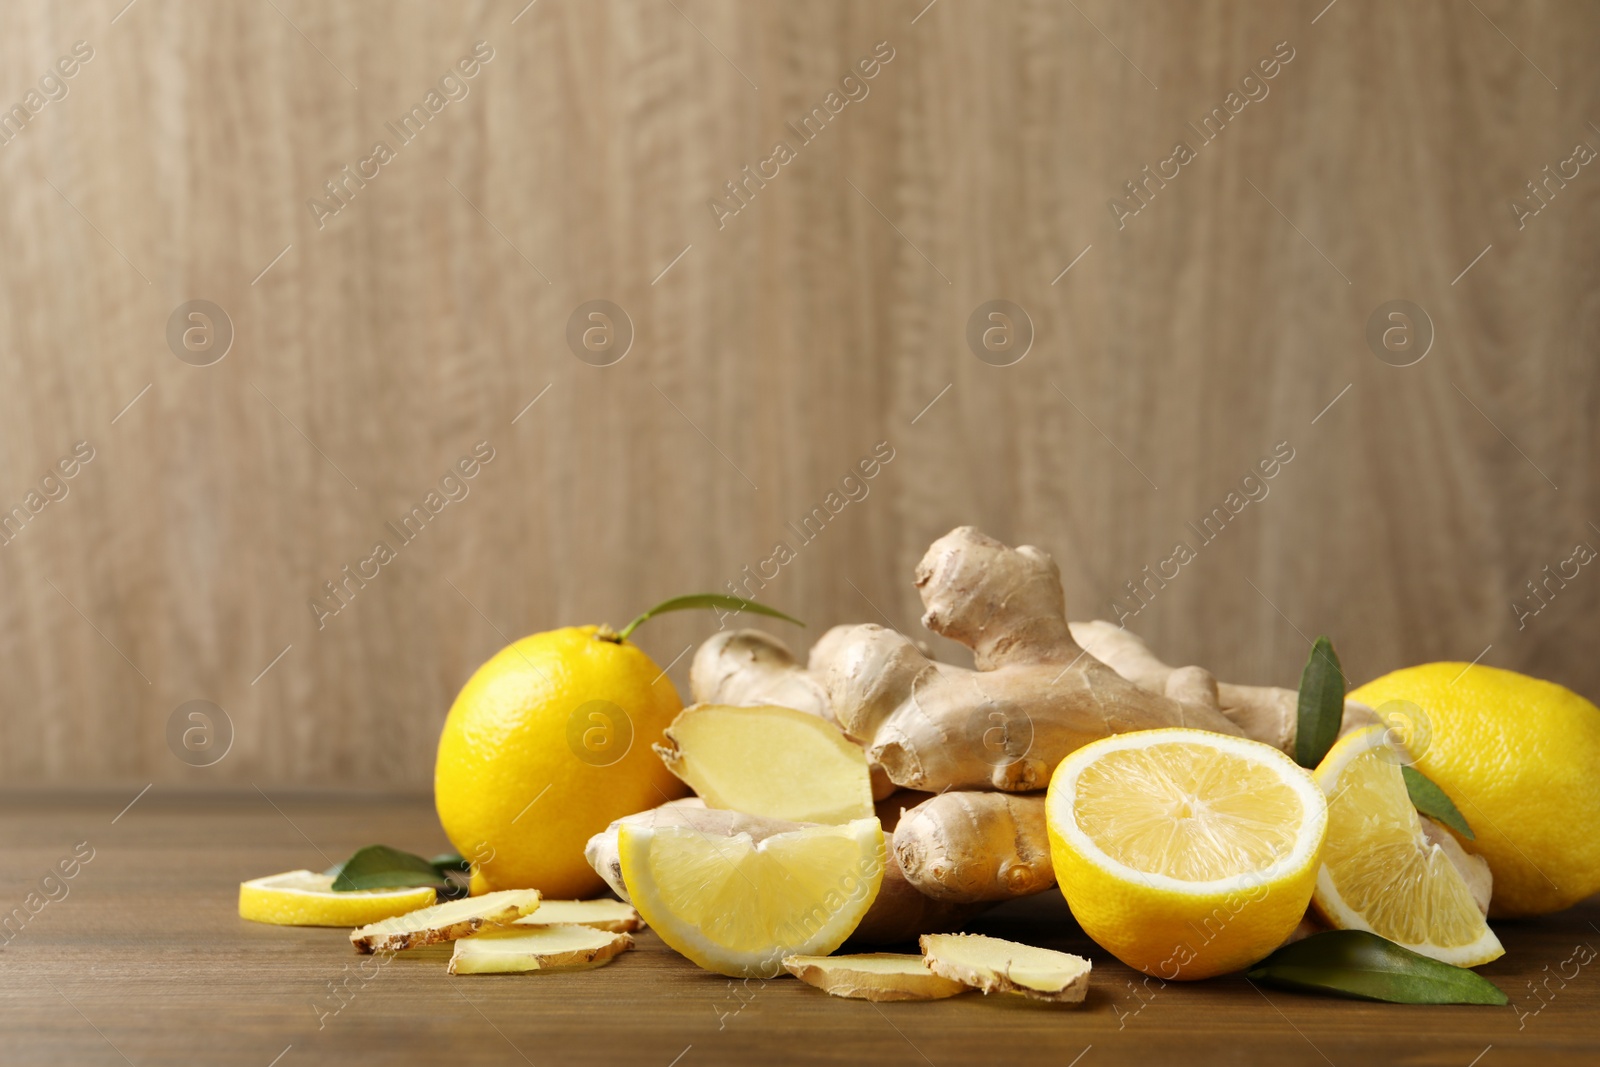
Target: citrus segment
<point x="1379" y="871"/>
<point x="770" y="761"/>
<point x="736" y="906"/>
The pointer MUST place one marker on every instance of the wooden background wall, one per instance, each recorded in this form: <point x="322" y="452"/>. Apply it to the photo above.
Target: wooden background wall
<point x="774" y="351"/>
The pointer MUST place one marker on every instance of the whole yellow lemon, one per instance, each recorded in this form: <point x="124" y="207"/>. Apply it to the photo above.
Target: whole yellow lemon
<point x="546" y="744"/>
<point x="1520" y="757"/>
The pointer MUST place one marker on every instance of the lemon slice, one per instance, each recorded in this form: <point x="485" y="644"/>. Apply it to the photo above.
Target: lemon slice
<point x="306" y="898"/>
<point x="1379" y="871"/>
<point x="1183" y="853"/>
<point x="738" y="907"/>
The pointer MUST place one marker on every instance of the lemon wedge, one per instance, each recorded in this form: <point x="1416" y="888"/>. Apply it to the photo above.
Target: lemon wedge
<point x="1379" y="871"/>
<point x="306" y="898"/>
<point x="1184" y="853"/>
<point x="738" y="907"/>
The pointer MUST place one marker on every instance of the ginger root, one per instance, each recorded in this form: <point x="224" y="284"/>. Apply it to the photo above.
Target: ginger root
<point x="748" y="668"/>
<point x="899" y="912"/>
<point x="970" y="846"/>
<point x="1263" y="712"/>
<point x="1035" y="696"/>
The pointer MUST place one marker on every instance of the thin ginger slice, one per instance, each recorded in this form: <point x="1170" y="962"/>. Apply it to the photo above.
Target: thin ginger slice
<point x="600" y="914"/>
<point x="770" y="761"/>
<point x="519" y="949"/>
<point x="877" y="976"/>
<point x="995" y="965"/>
<point x="444" y="922"/>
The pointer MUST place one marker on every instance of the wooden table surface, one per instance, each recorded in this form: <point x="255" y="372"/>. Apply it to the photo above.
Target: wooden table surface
<point x="145" y="961"/>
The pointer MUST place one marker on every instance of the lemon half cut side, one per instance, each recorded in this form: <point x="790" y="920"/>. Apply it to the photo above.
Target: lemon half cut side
<point x="1184" y="853"/>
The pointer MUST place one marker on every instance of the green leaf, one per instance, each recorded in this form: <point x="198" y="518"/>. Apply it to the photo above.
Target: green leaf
<point x="705" y="600"/>
<point x="382" y="867"/>
<point x="445" y="862"/>
<point x="1433" y="802"/>
<point x="1321" y="704"/>
<point x="1362" y="965"/>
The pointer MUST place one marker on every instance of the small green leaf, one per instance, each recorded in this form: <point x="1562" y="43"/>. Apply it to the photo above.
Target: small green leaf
<point x="445" y="862"/>
<point x="705" y="600"/>
<point x="1433" y="802"/>
<point x="382" y="867"/>
<point x="1321" y="704"/>
<point x="1362" y="965"/>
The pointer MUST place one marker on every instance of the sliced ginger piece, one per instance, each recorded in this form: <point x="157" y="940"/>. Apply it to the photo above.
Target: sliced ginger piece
<point x="519" y="949"/>
<point x="771" y="761"/>
<point x="875" y="976"/>
<point x="602" y="914"/>
<point x="445" y="922"/>
<point x="995" y="965"/>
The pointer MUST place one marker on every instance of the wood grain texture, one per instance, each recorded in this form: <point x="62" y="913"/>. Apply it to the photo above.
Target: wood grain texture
<point x="827" y="315"/>
<point x="145" y="957"/>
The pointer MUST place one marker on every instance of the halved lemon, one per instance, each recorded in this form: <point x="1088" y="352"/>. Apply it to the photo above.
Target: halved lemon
<point x="306" y="898"/>
<point x="1183" y="853"/>
<point x="1379" y="872"/>
<point x="738" y="907"/>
